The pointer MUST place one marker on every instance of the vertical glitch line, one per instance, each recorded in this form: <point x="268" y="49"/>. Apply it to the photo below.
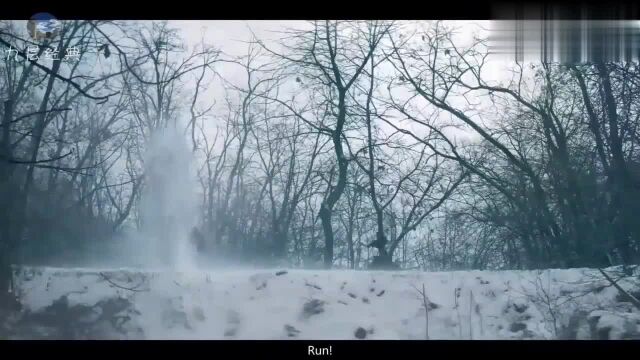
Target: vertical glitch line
<point x="582" y="38"/>
<point x="553" y="34"/>
<point x="590" y="40"/>
<point x="521" y="40"/>
<point x="618" y="35"/>
<point x="630" y="41"/>
<point x="545" y="33"/>
<point x="634" y="29"/>
<point x="543" y="42"/>
<point x="543" y="38"/>
<point x="633" y="41"/>
<point x="611" y="41"/>
<point x="623" y="41"/>
<point x="636" y="42"/>
<point x="552" y="37"/>
<point x="584" y="57"/>
<point x="635" y="33"/>
<point x="518" y="36"/>
<point x="620" y="40"/>
<point x="574" y="37"/>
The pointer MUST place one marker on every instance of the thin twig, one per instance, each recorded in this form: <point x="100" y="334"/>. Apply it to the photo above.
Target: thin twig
<point x="425" y="303"/>
<point x="20" y="118"/>
<point x="136" y="289"/>
<point x="17" y="161"/>
<point x="470" y="315"/>
<point x="631" y="298"/>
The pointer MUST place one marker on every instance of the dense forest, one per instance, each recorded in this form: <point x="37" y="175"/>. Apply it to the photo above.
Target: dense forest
<point x="347" y="144"/>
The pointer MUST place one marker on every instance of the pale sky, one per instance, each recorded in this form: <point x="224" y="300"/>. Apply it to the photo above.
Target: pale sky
<point x="231" y="36"/>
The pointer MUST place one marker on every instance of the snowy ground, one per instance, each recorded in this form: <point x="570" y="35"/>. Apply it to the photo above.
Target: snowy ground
<point x="298" y="304"/>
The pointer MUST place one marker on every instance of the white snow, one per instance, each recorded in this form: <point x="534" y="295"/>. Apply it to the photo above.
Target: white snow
<point x="258" y="304"/>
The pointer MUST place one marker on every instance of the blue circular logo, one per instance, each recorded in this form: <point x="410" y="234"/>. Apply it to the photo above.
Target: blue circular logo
<point x="43" y="26"/>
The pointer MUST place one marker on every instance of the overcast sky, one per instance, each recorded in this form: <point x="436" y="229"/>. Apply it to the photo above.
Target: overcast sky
<point x="231" y="37"/>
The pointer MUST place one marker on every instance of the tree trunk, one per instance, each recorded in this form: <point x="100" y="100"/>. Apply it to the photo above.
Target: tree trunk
<point x="326" y="209"/>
